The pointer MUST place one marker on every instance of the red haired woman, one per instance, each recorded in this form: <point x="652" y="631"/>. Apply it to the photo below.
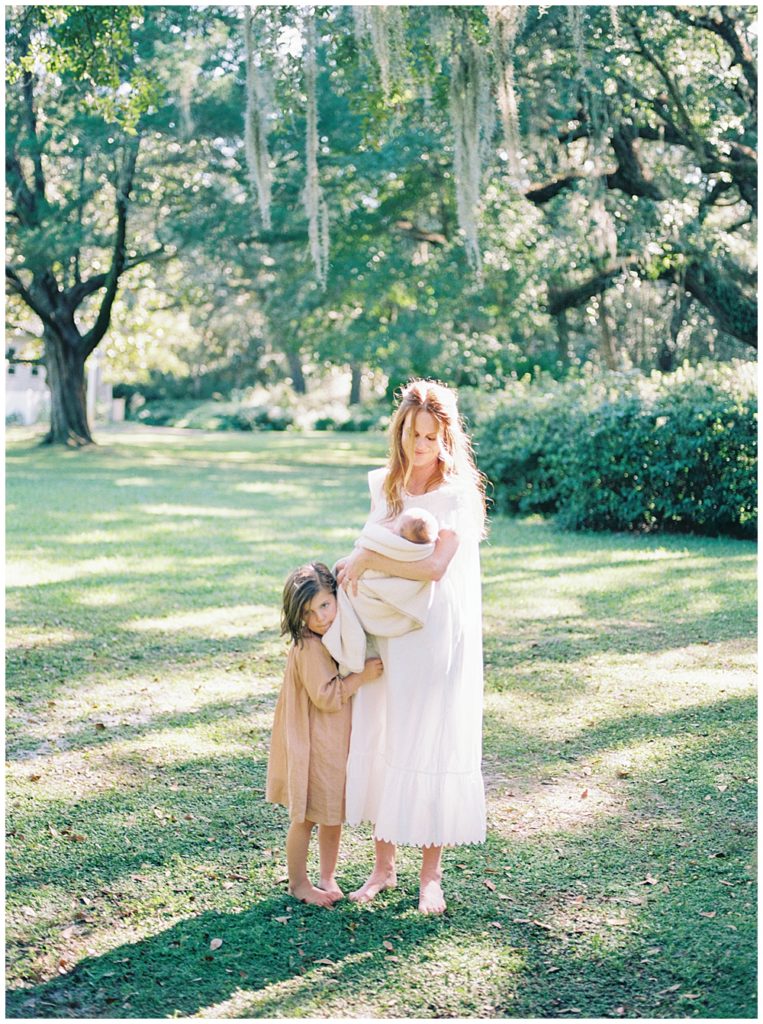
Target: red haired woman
<point x="414" y="768"/>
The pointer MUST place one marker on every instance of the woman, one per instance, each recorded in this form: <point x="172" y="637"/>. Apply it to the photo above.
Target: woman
<point x="415" y="750"/>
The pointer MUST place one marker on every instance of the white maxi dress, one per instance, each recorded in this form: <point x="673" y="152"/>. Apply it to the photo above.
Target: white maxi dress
<point x="414" y="767"/>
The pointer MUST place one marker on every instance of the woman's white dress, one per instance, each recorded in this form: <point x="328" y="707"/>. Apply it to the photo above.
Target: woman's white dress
<point x="414" y="768"/>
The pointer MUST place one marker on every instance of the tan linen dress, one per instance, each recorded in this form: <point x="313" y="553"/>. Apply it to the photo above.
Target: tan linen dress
<point x="311" y="736"/>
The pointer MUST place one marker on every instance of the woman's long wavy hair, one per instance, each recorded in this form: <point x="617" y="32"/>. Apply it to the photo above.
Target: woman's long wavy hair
<point x="455" y="458"/>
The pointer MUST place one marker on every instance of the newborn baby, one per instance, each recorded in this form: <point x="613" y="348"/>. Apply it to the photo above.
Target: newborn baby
<point x="416" y="525"/>
<point x="384" y="605"/>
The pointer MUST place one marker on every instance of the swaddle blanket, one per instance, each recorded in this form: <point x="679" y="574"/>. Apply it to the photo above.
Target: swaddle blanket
<point x="384" y="605"/>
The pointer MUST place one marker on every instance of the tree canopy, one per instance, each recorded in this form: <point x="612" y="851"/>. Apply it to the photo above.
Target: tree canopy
<point x="466" y="191"/>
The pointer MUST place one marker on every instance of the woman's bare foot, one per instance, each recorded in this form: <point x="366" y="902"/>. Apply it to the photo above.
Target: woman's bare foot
<point x="431" y="899"/>
<point x="307" y="893"/>
<point x="328" y="885"/>
<point x="376" y="883"/>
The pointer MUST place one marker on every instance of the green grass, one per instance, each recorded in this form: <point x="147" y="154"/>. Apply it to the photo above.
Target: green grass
<point x="143" y="667"/>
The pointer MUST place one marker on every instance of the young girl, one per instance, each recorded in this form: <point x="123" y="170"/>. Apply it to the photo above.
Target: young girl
<point x="311" y="732"/>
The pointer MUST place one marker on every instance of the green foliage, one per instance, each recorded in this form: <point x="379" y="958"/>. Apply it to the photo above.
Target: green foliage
<point x="627" y="452"/>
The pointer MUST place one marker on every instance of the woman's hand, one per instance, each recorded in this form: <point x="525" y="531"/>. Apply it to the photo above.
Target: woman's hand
<point x="349" y="570"/>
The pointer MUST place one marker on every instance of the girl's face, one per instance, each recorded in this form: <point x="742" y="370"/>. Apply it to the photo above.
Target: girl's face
<point x="320" y="612"/>
<point x="423" y="432"/>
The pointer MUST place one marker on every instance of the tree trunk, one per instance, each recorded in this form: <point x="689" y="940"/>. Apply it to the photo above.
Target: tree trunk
<point x="297" y="376"/>
<point x="65" y="369"/>
<point x="355" y="381"/>
<point x="607" y="347"/>
<point x="562" y="337"/>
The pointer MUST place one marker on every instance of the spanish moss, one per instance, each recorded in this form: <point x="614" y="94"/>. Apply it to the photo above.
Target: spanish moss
<point x="469" y="83"/>
<point x="256" y="124"/>
<point x="315" y="204"/>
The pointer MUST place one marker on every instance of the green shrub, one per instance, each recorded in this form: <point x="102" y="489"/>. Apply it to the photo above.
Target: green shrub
<point x="627" y="451"/>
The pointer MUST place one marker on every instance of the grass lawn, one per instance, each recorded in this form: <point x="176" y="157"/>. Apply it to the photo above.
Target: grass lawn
<point x="143" y="667"/>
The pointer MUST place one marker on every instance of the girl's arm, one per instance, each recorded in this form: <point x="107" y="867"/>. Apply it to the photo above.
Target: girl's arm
<point x="431" y="568"/>
<point x="325" y="688"/>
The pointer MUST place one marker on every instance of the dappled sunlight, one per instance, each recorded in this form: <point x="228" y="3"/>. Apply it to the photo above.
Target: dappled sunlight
<point x="199" y="511"/>
<point x="26" y="637"/>
<point x="216" y="622"/>
<point x="272" y="490"/>
<point x="33" y="574"/>
<point x="168" y="746"/>
<point x="559" y="805"/>
<point x="135" y="481"/>
<point x="531" y="605"/>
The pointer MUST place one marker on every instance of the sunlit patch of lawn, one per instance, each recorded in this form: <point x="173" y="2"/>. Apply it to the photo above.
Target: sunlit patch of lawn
<point x="143" y="665"/>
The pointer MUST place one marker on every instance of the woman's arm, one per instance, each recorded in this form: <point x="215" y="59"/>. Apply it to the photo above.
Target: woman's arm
<point x="431" y="568"/>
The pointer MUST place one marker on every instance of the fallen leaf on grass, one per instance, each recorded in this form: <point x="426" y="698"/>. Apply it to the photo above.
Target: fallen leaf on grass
<point x="673" y="988"/>
<point x="35" y="778"/>
<point x="325" y="962"/>
<point x="583" y="796"/>
<point x="707" y="913"/>
<point x="388" y="946"/>
<point x="496" y="924"/>
<point x="569" y="1009"/>
<point x="637" y="901"/>
<point x="63" y="967"/>
<point x="228" y="885"/>
<point x="551" y="970"/>
<point x="99" y="726"/>
<point x="690" y="995"/>
<point x="649" y="880"/>
<point x="282" y="920"/>
<point x="488" y="884"/>
<point x="53" y="831"/>
<point x="215" y="943"/>
<point x="622" y="773"/>
<point x="617" y="922"/>
<point x="721" y="787"/>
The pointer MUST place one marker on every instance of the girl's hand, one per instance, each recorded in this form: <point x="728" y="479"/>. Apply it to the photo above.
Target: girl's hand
<point x="373" y="669"/>
<point x="352" y="569"/>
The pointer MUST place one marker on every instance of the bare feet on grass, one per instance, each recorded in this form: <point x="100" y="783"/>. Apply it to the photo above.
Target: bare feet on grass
<point x="376" y="883"/>
<point x="307" y="893"/>
<point x="431" y="899"/>
<point x="330" y="887"/>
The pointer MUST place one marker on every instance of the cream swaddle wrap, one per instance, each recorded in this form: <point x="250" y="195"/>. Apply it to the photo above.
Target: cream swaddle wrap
<point x="384" y="605"/>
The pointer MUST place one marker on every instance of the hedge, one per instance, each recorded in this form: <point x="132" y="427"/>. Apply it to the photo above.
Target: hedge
<point x="625" y="451"/>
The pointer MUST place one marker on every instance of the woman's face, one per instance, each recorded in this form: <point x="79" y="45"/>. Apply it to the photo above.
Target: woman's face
<point x="424" y="439"/>
<point x="320" y="612"/>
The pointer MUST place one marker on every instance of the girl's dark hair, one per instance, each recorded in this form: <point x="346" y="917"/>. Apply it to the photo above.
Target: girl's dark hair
<point x="300" y="588"/>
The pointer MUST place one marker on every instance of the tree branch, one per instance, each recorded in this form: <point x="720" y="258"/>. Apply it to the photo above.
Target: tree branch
<point x="124" y="186"/>
<point x="29" y="296"/>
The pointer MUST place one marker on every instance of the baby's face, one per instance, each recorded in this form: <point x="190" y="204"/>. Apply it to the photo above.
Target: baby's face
<point x="321" y="612"/>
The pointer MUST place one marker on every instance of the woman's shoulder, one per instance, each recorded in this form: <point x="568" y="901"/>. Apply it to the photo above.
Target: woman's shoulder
<point x="376" y="478"/>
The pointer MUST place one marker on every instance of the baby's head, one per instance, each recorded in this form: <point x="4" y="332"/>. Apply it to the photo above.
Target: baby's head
<point x="309" y="601"/>
<point x="417" y="525"/>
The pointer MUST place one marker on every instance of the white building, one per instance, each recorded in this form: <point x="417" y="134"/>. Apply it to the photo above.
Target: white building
<point x="27" y="396"/>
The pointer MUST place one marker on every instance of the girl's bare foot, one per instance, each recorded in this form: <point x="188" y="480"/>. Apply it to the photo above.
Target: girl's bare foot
<point x="376" y="883"/>
<point x="328" y="885"/>
<point x="307" y="893"/>
<point x="431" y="899"/>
